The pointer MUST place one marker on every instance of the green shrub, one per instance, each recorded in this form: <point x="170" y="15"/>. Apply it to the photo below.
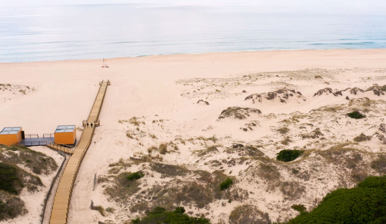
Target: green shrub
<point x="9" y="179"/>
<point x="226" y="184"/>
<point x="300" y="208"/>
<point x="135" y="176"/>
<point x="288" y="155"/>
<point x="160" y="216"/>
<point x="180" y="210"/>
<point x="364" y="204"/>
<point x="356" y="115"/>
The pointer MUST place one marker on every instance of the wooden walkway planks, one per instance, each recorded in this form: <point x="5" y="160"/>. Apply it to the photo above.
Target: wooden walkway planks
<point x="62" y="199"/>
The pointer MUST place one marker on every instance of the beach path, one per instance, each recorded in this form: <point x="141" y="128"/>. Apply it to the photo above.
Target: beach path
<point x="63" y="193"/>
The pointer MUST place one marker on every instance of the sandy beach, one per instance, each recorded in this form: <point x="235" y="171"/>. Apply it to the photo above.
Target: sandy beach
<point x="182" y="101"/>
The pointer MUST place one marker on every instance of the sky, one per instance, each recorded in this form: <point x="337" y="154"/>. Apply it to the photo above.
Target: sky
<point x="285" y="6"/>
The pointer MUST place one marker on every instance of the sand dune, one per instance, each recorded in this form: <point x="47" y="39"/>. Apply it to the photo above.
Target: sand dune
<point x="165" y="111"/>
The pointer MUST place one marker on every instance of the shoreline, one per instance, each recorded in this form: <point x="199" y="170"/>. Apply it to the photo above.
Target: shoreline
<point x="198" y="54"/>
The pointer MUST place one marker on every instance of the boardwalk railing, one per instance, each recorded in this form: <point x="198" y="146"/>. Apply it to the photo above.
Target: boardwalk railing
<point x="62" y="198"/>
<point x="35" y="140"/>
<point x="61" y="148"/>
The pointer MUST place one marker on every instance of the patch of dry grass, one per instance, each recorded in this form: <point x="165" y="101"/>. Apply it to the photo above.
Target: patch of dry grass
<point x="197" y="188"/>
<point x="283" y="130"/>
<point x="379" y="164"/>
<point x="362" y="137"/>
<point x="122" y="188"/>
<point x="244" y="214"/>
<point x="36" y="161"/>
<point x="167" y="170"/>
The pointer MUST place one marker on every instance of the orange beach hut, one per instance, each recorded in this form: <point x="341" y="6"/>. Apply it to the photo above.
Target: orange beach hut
<point x="11" y="136"/>
<point x="65" y="135"/>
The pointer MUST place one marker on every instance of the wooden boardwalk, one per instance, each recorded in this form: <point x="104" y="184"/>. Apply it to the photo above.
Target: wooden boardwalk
<point x="60" y="148"/>
<point x="63" y="193"/>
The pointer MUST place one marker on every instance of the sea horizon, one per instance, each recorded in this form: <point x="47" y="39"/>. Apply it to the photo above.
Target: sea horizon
<point x="79" y="32"/>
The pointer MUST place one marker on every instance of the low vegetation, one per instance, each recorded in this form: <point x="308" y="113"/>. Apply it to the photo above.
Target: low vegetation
<point x="37" y="162"/>
<point x="328" y="91"/>
<point x="203" y="102"/>
<point x="362" y="137"/>
<point x="365" y="204"/>
<point x="160" y="215"/>
<point x="379" y="164"/>
<point x="10" y="180"/>
<point x="163" y="148"/>
<point x="208" y="150"/>
<point x="124" y="185"/>
<point x="286" y="141"/>
<point x="268" y="172"/>
<point x="375" y="89"/>
<point x="248" y="214"/>
<point x="316" y="133"/>
<point x="291" y="190"/>
<point x="98" y="208"/>
<point x="288" y="155"/>
<point x="356" y="115"/>
<point x="167" y="170"/>
<point x="135" y="176"/>
<point x="16" y="89"/>
<point x="193" y="188"/>
<point x="226" y="184"/>
<point x="11" y="206"/>
<point x="283" y="130"/>
<point x="20" y="168"/>
<point x="238" y="112"/>
<point x="245" y="150"/>
<point x="300" y="208"/>
<point x="13" y="179"/>
<point x="282" y="95"/>
<point x="136" y="121"/>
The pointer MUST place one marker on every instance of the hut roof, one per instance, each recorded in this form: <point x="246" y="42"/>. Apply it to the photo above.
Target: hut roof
<point x="65" y="128"/>
<point x="10" y="130"/>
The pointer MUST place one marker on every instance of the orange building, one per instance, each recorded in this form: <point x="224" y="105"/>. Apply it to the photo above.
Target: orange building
<point x="65" y="135"/>
<point x="11" y="136"/>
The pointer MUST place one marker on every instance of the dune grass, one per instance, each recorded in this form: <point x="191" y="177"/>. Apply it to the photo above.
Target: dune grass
<point x="10" y="180"/>
<point x="178" y="216"/>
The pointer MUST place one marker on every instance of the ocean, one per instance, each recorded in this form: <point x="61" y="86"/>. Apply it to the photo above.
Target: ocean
<point x="132" y="30"/>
